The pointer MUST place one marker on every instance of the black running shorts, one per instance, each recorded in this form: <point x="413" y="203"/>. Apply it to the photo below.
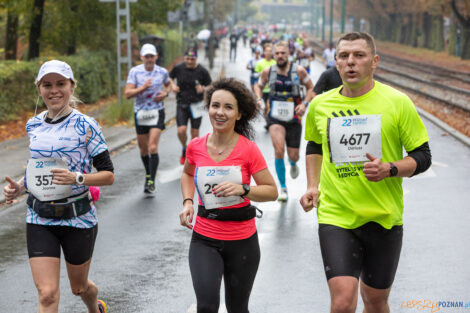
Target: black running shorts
<point x="46" y="241"/>
<point x="183" y="114"/>
<point x="141" y="130"/>
<point x="293" y="131"/>
<point x="370" y="252"/>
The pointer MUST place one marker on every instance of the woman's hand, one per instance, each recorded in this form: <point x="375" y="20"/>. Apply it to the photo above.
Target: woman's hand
<point x="186" y="215"/>
<point x="63" y="176"/>
<point x="12" y="190"/>
<point x="227" y="189"/>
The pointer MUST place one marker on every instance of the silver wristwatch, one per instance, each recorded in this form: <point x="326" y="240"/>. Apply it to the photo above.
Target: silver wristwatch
<point x="80" y="179"/>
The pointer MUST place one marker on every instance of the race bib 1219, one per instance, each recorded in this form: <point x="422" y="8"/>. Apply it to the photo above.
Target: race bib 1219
<point x="282" y="110"/>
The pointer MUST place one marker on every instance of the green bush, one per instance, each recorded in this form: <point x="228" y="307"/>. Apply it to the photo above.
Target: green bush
<point x="94" y="71"/>
<point x="115" y="113"/>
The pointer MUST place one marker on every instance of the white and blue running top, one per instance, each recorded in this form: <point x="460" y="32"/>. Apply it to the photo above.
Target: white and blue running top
<point x="138" y="76"/>
<point x="76" y="140"/>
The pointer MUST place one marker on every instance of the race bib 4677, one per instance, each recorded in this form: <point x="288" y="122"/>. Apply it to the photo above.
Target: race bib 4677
<point x="351" y="137"/>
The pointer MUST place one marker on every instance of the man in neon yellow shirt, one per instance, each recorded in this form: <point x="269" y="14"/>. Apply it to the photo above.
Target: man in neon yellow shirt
<point x="265" y="63"/>
<point x="356" y="134"/>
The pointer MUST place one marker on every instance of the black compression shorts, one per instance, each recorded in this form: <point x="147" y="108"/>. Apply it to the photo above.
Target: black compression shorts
<point x="46" y="241"/>
<point x="183" y="114"/>
<point x="370" y="252"/>
<point x="293" y="131"/>
<point x="141" y="130"/>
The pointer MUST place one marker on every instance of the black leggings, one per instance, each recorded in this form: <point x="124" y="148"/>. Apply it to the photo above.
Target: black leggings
<point x="236" y="260"/>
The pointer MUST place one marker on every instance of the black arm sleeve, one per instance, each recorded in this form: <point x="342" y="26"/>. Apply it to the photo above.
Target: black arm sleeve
<point x="314" y="148"/>
<point x="102" y="162"/>
<point x="422" y="156"/>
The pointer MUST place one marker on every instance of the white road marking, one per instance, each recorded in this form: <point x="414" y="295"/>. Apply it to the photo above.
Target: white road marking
<point x="193" y="308"/>
<point x="166" y="176"/>
<point x="439" y="164"/>
<point x="429" y="173"/>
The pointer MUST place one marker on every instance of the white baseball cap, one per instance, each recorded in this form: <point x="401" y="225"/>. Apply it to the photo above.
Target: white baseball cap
<point x="148" y="48"/>
<point x="55" y="66"/>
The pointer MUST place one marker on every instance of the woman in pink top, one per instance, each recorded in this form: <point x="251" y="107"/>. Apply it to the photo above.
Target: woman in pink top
<point x="220" y="166"/>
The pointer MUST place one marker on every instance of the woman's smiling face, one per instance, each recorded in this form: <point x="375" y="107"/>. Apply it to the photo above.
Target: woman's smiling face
<point x="223" y="111"/>
<point x="55" y="90"/>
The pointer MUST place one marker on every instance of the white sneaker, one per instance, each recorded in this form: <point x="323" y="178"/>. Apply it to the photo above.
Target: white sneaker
<point x="283" y="195"/>
<point x="294" y="171"/>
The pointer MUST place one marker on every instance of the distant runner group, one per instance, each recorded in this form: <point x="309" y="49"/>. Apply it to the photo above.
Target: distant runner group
<point x="355" y="132"/>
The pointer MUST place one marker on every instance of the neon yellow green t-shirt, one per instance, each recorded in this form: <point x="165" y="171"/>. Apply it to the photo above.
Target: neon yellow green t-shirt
<point x="347" y="198"/>
<point x="260" y="66"/>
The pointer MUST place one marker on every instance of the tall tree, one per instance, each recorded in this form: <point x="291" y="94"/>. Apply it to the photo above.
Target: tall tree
<point x="35" y="30"/>
<point x="461" y="10"/>
<point x="11" y="34"/>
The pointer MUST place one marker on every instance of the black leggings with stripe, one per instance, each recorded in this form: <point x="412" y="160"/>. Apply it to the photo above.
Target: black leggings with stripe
<point x="236" y="260"/>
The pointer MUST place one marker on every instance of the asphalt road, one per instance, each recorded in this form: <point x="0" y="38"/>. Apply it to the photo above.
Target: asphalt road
<point x="140" y="259"/>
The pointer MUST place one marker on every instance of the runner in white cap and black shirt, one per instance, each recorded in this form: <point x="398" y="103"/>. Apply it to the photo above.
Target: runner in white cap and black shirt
<point x="150" y="85"/>
<point x="64" y="144"/>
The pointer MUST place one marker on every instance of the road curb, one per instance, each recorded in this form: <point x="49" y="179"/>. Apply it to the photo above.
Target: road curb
<point x="453" y="132"/>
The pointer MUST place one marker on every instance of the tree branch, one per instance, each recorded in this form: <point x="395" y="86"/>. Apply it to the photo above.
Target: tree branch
<point x="465" y="22"/>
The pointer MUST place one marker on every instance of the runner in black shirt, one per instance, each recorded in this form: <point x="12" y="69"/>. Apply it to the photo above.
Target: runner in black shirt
<point x="328" y="80"/>
<point x="233" y="46"/>
<point x="191" y="78"/>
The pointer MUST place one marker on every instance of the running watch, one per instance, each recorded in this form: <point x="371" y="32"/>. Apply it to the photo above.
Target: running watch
<point x="246" y="187"/>
<point x="80" y="178"/>
<point x="393" y="170"/>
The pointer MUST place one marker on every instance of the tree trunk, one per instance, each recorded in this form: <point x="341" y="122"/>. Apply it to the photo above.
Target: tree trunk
<point x="426" y="30"/>
<point x="35" y="31"/>
<point x="12" y="35"/>
<point x="72" y="40"/>
<point x="406" y="29"/>
<point x="414" y="30"/>
<point x="452" y="36"/>
<point x="465" y="44"/>
<point x="465" y="35"/>
<point x="438" y="33"/>
<point x="391" y="28"/>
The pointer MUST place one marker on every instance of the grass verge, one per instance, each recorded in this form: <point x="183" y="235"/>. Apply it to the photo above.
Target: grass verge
<point x="119" y="114"/>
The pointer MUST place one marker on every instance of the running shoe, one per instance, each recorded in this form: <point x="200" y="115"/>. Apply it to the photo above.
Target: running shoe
<point x="102" y="306"/>
<point x="147" y="178"/>
<point x="283" y="195"/>
<point x="294" y="171"/>
<point x="150" y="187"/>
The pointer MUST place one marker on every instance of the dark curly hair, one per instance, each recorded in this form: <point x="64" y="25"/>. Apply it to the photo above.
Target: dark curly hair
<point x="247" y="104"/>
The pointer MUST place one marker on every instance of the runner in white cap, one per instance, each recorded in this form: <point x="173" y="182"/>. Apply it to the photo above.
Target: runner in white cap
<point x="150" y="85"/>
<point x="64" y="144"/>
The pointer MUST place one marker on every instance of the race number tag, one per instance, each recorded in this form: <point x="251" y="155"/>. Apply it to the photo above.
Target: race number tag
<point x="207" y="177"/>
<point x="197" y="109"/>
<point x="282" y="110"/>
<point x="350" y="137"/>
<point x="304" y="62"/>
<point x="39" y="179"/>
<point x="147" y="117"/>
